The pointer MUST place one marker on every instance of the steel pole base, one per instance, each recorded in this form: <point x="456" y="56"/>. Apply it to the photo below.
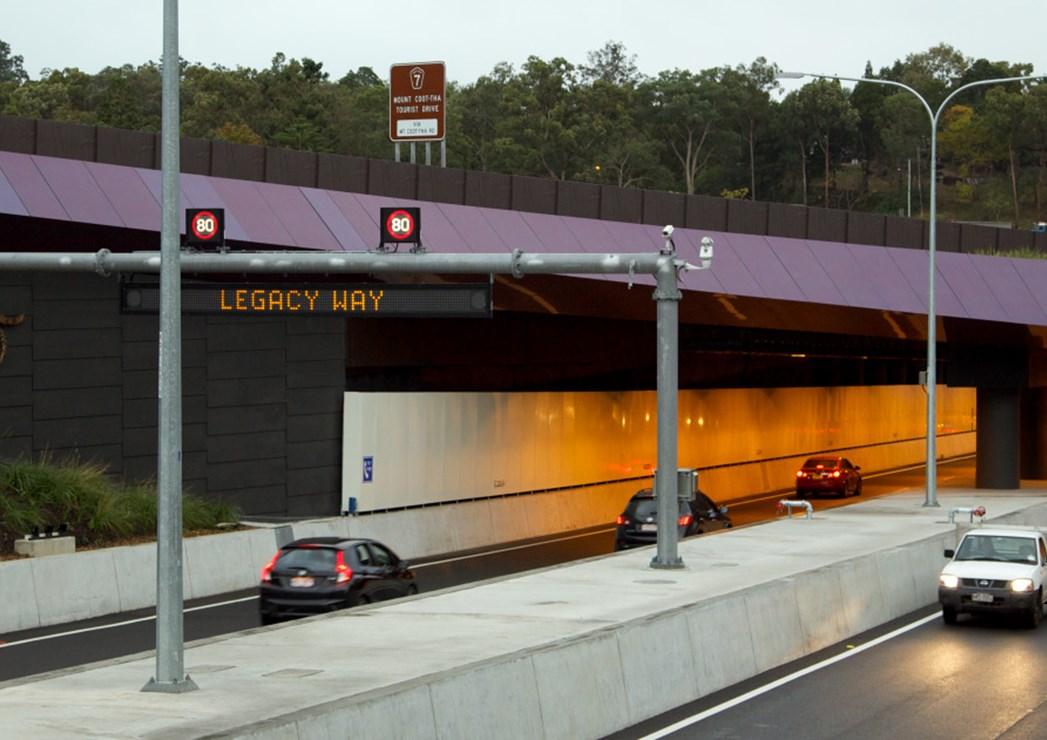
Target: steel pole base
<point x="670" y="565"/>
<point x="171" y="687"/>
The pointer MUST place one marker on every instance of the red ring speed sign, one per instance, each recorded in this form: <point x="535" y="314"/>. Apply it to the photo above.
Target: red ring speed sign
<point x="400" y="225"/>
<point x="204" y="225"/>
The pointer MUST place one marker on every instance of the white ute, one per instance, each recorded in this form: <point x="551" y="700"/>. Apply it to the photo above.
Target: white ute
<point x="995" y="570"/>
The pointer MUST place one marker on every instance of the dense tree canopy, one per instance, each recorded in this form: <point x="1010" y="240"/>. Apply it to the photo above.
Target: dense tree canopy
<point x="722" y="131"/>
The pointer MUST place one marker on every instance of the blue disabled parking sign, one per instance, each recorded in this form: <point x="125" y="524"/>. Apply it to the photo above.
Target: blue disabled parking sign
<point x="368" y="468"/>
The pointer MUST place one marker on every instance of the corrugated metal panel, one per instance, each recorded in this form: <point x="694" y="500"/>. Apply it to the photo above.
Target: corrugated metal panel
<point x="131" y="198"/>
<point x="77" y="191"/>
<point x="760" y="261"/>
<point x="9" y="201"/>
<point x="32" y="189"/>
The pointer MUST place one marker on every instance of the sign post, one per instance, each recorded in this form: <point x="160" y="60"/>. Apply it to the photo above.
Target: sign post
<point x="417" y="105"/>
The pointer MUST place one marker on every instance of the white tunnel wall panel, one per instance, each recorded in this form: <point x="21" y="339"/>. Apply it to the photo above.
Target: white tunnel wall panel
<point x="429" y="448"/>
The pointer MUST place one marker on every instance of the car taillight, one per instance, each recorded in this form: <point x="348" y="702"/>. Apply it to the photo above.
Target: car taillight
<point x="622" y="519"/>
<point x="836" y="474"/>
<point x="267" y="569"/>
<point x="684" y="520"/>
<point x="799" y="473"/>
<point x="345" y="573"/>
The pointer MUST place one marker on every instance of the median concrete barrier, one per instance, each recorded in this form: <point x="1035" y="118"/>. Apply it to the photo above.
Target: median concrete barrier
<point x="18" y="609"/>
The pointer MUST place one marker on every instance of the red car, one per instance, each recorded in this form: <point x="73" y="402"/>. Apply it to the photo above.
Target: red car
<point x="834" y="475"/>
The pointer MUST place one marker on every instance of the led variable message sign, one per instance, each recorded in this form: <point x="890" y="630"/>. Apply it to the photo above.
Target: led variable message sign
<point x="361" y="300"/>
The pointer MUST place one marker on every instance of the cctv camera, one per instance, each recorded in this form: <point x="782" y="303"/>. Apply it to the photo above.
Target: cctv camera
<point x="705" y="251"/>
<point x="668" y="231"/>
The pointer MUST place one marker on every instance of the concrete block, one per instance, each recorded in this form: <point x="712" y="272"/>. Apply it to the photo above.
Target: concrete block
<point x="471" y="524"/>
<point x="494" y="700"/>
<point x="864" y="607"/>
<point x="722" y="643"/>
<point x="509" y="519"/>
<point x="660" y="665"/>
<point x="18" y="609"/>
<point x="38" y="548"/>
<point x="77" y="586"/>
<point x="896" y="581"/>
<point x="135" y="569"/>
<point x="218" y="563"/>
<point x="329" y="527"/>
<point x="819" y="597"/>
<point x="402" y="715"/>
<point x="581" y="688"/>
<point x="774" y="621"/>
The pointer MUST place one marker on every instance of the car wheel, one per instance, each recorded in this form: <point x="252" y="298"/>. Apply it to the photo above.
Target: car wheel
<point x="268" y="619"/>
<point x="412" y="590"/>
<point x="858" y="489"/>
<point x="948" y="615"/>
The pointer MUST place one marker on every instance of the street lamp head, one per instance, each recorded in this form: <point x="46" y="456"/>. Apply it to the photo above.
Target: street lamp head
<point x="790" y="75"/>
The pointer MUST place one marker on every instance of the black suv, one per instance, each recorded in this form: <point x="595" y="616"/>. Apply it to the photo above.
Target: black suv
<point x="638" y="524"/>
<point x="319" y="574"/>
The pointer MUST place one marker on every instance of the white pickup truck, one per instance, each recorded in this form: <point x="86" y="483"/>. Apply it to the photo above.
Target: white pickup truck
<point x="997" y="570"/>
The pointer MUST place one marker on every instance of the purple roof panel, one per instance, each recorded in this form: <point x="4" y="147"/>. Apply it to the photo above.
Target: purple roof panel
<point x="913" y="265"/>
<point x="551" y="232"/>
<point x="31" y="187"/>
<point x="336" y="222"/>
<point x="298" y="217"/>
<point x="636" y="238"/>
<point x="807" y="271"/>
<point x="1009" y="289"/>
<point x="962" y="276"/>
<point x="9" y="202"/>
<point x="243" y="198"/>
<point x="366" y="226"/>
<point x="1034" y="274"/>
<point x="439" y="234"/>
<point x="197" y="191"/>
<point x="883" y="273"/>
<point x="128" y="194"/>
<point x="592" y="235"/>
<point x="477" y="233"/>
<point x="763" y="264"/>
<point x="77" y="191"/>
<point x="841" y="268"/>
<point x="513" y="230"/>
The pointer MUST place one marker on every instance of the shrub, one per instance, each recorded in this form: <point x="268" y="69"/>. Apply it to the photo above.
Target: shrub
<point x="97" y="509"/>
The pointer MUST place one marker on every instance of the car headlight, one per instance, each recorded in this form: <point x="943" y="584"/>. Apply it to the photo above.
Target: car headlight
<point x="948" y="581"/>
<point x="1021" y="584"/>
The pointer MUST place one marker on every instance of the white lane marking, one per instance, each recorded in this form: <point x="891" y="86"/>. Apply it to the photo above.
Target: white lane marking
<point x="696" y="718"/>
<point x="511" y="549"/>
<point x="121" y="624"/>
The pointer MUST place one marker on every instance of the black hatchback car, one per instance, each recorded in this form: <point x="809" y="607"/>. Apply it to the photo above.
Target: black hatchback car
<point x="320" y="574"/>
<point x="638" y="524"/>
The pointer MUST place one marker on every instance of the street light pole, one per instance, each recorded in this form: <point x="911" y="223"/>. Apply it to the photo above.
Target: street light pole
<point x="931" y="495"/>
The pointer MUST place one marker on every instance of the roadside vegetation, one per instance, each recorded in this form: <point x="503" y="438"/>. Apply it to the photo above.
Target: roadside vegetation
<point x="98" y="510"/>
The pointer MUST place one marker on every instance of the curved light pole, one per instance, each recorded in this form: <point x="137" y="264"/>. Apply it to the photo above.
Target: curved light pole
<point x="931" y="495"/>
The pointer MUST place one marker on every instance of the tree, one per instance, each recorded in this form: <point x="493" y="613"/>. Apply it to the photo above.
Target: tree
<point x="868" y="99"/>
<point x="1006" y="115"/>
<point x="684" y="114"/>
<point x="11" y="69"/>
<point x="611" y="65"/>
<point x="362" y="77"/>
<point x="748" y="104"/>
<point x="906" y="132"/>
<point x="822" y="108"/>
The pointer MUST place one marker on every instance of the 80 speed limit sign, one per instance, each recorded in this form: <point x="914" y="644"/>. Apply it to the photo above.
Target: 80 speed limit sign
<point x="205" y="227"/>
<point x="400" y="226"/>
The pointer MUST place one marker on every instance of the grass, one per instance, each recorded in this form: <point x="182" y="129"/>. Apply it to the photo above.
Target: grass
<point x="98" y="510"/>
<point x="1028" y="254"/>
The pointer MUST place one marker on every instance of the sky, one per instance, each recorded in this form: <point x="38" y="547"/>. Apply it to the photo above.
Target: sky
<point x="471" y="36"/>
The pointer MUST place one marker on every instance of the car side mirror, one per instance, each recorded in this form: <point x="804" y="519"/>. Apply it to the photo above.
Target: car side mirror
<point x="723" y="509"/>
<point x="857" y="467"/>
<point x="950" y="553"/>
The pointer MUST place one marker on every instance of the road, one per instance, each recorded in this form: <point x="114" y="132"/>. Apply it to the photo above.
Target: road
<point x="980" y="679"/>
<point x="46" y="649"/>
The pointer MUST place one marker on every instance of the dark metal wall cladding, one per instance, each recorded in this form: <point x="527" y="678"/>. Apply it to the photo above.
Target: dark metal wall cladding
<point x="581" y="199"/>
<point x="786" y="219"/>
<point x="340" y="172"/>
<point x="488" y="190"/>
<point x="975" y="238"/>
<point x="746" y="216"/>
<point x="246" y="431"/>
<point x="535" y="194"/>
<point x="866" y="228"/>
<point x="130" y="148"/>
<point x="706" y="212"/>
<point x="1010" y="239"/>
<point x="290" y="167"/>
<point x="238" y="161"/>
<point x="441" y="184"/>
<point x="909" y="233"/>
<point x="392" y="179"/>
<point x="947" y="237"/>
<point x="661" y="208"/>
<point x="826" y="225"/>
<point x="618" y="204"/>
<point x="19" y="134"/>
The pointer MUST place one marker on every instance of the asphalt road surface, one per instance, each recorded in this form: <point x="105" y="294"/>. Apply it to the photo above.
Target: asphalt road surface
<point x="46" y="649"/>
<point x="914" y="678"/>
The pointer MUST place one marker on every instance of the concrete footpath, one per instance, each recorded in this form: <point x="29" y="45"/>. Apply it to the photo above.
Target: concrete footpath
<point x="574" y="651"/>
